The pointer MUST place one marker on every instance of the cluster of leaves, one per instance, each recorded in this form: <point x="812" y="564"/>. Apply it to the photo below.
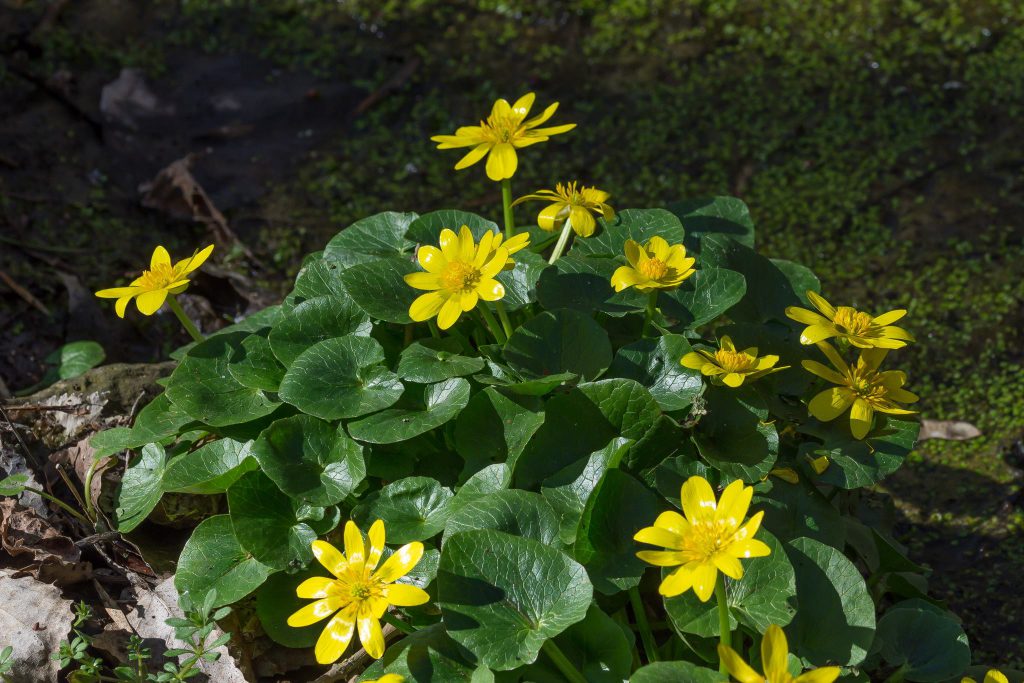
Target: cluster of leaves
<point x="193" y="629"/>
<point x="527" y="467"/>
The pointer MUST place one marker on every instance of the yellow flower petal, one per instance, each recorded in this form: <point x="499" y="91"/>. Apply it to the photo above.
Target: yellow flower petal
<point x="728" y="565"/>
<point x="400" y="563"/>
<point x="817" y="333"/>
<point x="889" y="317"/>
<point x="121" y="305"/>
<point x="490" y="289"/>
<point x="315" y="587"/>
<point x="449" y="243"/>
<point x="861" y="415"/>
<point x="197" y="259"/>
<point x="468" y="301"/>
<point x="160" y="258"/>
<point x="449" y="313"/>
<point x="661" y="537"/>
<point x="376" y="534"/>
<point x="827" y="309"/>
<point x="698" y="499"/>
<point x="693" y="360"/>
<point x="522" y="106"/>
<point x="738" y="668"/>
<point x="831" y="403"/>
<point x="355" y="549"/>
<point x="583" y="223"/>
<point x="662" y="558"/>
<point x="404" y="595"/>
<point x="826" y="674"/>
<point x="676" y="583"/>
<point x="749" y="548"/>
<point x="335" y="638"/>
<point x="502" y="162"/>
<point x="429" y="281"/>
<point x="315" y="611"/>
<point x="553" y="130"/>
<point x="704" y="577"/>
<point x="431" y="259"/>
<point x="625" y="277"/>
<point x="118" y="292"/>
<point x="332" y="560"/>
<point x="149" y="303"/>
<point x="426" y="306"/>
<point x="734" y="503"/>
<point x="774" y="654"/>
<point x="371" y="636"/>
<point x="670" y="520"/>
<point x="473" y="156"/>
<point x="823" y="371"/>
<point x="551" y="216"/>
<point x="802" y="315"/>
<point x="542" y="117"/>
<point x="733" y="379"/>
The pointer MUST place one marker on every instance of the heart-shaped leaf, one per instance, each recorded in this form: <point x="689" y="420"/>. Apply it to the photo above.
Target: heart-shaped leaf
<point x="213" y="560"/>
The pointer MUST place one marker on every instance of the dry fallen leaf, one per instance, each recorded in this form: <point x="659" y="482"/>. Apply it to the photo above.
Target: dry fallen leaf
<point x="34" y="619"/>
<point x="949" y="430"/>
<point x="35" y="547"/>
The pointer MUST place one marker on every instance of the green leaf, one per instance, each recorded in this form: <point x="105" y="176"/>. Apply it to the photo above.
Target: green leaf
<point x="619" y="507"/>
<point x="930" y="645"/>
<point x="735" y="435"/>
<point x="598" y="647"/>
<point x="433" y="360"/>
<point x="158" y="421"/>
<point x="703" y="297"/>
<point x="77" y="358"/>
<point x="655" y="364"/>
<point x="254" y="365"/>
<point x="765" y="595"/>
<point x="769" y="291"/>
<point x="371" y="238"/>
<point x="428" y="655"/>
<point x="495" y="426"/>
<point x="313" y="321"/>
<point x="111" y="441"/>
<point x="140" y="489"/>
<point x="795" y="510"/>
<point x="835" y="622"/>
<point x="318" y="277"/>
<point x="413" y="509"/>
<point x="674" y="672"/>
<point x="275" y="529"/>
<point x="562" y="341"/>
<point x="801" y="278"/>
<point x="853" y="464"/>
<point x="569" y="489"/>
<point x="725" y="215"/>
<point x="213" y="560"/>
<point x="427" y="228"/>
<point x="639" y="225"/>
<point x="516" y="512"/>
<point x="379" y="289"/>
<point x="432" y="406"/>
<point x="502" y="596"/>
<point x="211" y="468"/>
<point x="13" y="485"/>
<point x="310" y="460"/>
<point x="340" y="378"/>
<point x="521" y="282"/>
<point x="276" y="601"/>
<point x="490" y="479"/>
<point x="203" y="388"/>
<point x="584" y="284"/>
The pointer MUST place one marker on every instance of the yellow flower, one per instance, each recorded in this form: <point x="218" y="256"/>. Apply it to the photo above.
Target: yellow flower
<point x="388" y="678"/>
<point x="655" y="265"/>
<point x="498" y="137"/>
<point x="729" y="366"/>
<point x="775" y="660"/>
<point x="359" y="594"/>
<point x="857" y="327"/>
<point x="579" y="205"/>
<point x="458" y="274"/>
<point x="512" y="245"/>
<point x="710" y="538"/>
<point x="150" y="289"/>
<point x="992" y="676"/>
<point x="862" y="389"/>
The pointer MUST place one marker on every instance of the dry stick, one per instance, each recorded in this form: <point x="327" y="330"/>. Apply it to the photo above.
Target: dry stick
<point x="28" y="453"/>
<point x="24" y="293"/>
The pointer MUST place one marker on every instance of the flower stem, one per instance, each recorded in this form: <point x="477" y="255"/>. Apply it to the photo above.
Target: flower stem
<point x="652" y="308"/>
<point x="492" y="324"/>
<point x="562" y="662"/>
<point x="434" y="332"/>
<point x="56" y="501"/>
<point x="563" y="240"/>
<point x="506" y="324"/>
<point x="650" y="648"/>
<point x="402" y="626"/>
<point x="725" y="634"/>
<point x="506" y="205"/>
<point x="89" y="474"/>
<point x="189" y="326"/>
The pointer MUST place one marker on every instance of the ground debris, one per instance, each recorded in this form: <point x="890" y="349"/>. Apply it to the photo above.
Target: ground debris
<point x="36" y="548"/>
<point x="34" y="619"/>
<point x="948" y="430"/>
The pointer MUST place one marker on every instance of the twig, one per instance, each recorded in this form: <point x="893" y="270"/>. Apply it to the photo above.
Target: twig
<point x="28" y="453"/>
<point x="24" y="293"/>
<point x="94" y="125"/>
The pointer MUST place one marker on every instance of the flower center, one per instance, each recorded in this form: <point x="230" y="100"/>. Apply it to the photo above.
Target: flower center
<point x="867" y="386"/>
<point x="502" y="128"/>
<point x="653" y="269"/>
<point x="707" y="538"/>
<point x="460" y="277"/>
<point x="362" y="590"/>
<point x="733" y="361"/>
<point x="158" y="278"/>
<point x="851" y="320"/>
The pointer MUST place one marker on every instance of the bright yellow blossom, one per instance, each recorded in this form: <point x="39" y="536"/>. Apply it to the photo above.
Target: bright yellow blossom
<point x="775" y="661"/>
<point x="458" y="275"/>
<point x="388" y="678"/>
<point x="359" y="594"/>
<point x="862" y="389"/>
<point x="654" y="265"/>
<point x="578" y="204"/>
<point x="511" y="245"/>
<point x="729" y="366"/>
<point x="991" y="676"/>
<point x="710" y="538"/>
<point x="844" y="322"/>
<point x="498" y="137"/>
<point x="150" y="289"/>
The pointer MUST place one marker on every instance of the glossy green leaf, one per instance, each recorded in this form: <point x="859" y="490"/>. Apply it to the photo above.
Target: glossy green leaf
<point x="13" y="485"/>
<point x="203" y="388"/>
<point x="427" y="408"/>
<point x="254" y="365"/>
<point x="213" y="560"/>
<point x="931" y="646"/>
<point x="76" y="358"/>
<point x="516" y="512"/>
<point x="801" y="278"/>
<point x="432" y="360"/>
<point x="521" y="282"/>
<point x="413" y="509"/>
<point x="140" y="489"/>
<point x="313" y="321"/>
<point x="725" y="215"/>
<point x="598" y="647"/>
<point x="769" y="290"/>
<point x="584" y="284"/>
<point x="795" y="510"/>
<point x="835" y="622"/>
<point x="495" y="426"/>
<point x="703" y="297"/>
<point x="569" y="489"/>
<point x="211" y="468"/>
<point x="675" y="672"/>
<point x="318" y="277"/>
<point x="310" y="460"/>
<point x="157" y="422"/>
<point x="736" y="435"/>
<point x="340" y="378"/>
<point x="427" y="656"/>
<point x="502" y="596"/>
<point x="276" y="601"/>
<point x="426" y="229"/>
<point x="654" y="363"/>
<point x="853" y="464"/>
<point x="560" y="341"/>
<point x="371" y="238"/>
<point x="639" y="225"/>
<point x="379" y="289"/>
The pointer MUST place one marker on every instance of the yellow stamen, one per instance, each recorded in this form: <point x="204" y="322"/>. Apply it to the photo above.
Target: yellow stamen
<point x="460" y="277"/>
<point x="734" y="361"/>
<point x="653" y="269"/>
<point x="852" y="321"/>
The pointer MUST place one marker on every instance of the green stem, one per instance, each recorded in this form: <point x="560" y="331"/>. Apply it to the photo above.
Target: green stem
<point x="506" y="205"/>
<point x="434" y="332"/>
<point x="189" y="326"/>
<point x="56" y="501"/>
<point x="725" y="634"/>
<point x="563" y="240"/>
<point x="562" y="662"/>
<point x="652" y="308"/>
<point x="506" y="324"/>
<point x="650" y="648"/>
<point x="402" y="626"/>
<point x="89" y="474"/>
<point x="492" y="324"/>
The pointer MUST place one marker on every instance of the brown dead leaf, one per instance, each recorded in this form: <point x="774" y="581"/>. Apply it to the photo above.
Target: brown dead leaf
<point x="77" y="459"/>
<point x="948" y="430"/>
<point x="37" y="548"/>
